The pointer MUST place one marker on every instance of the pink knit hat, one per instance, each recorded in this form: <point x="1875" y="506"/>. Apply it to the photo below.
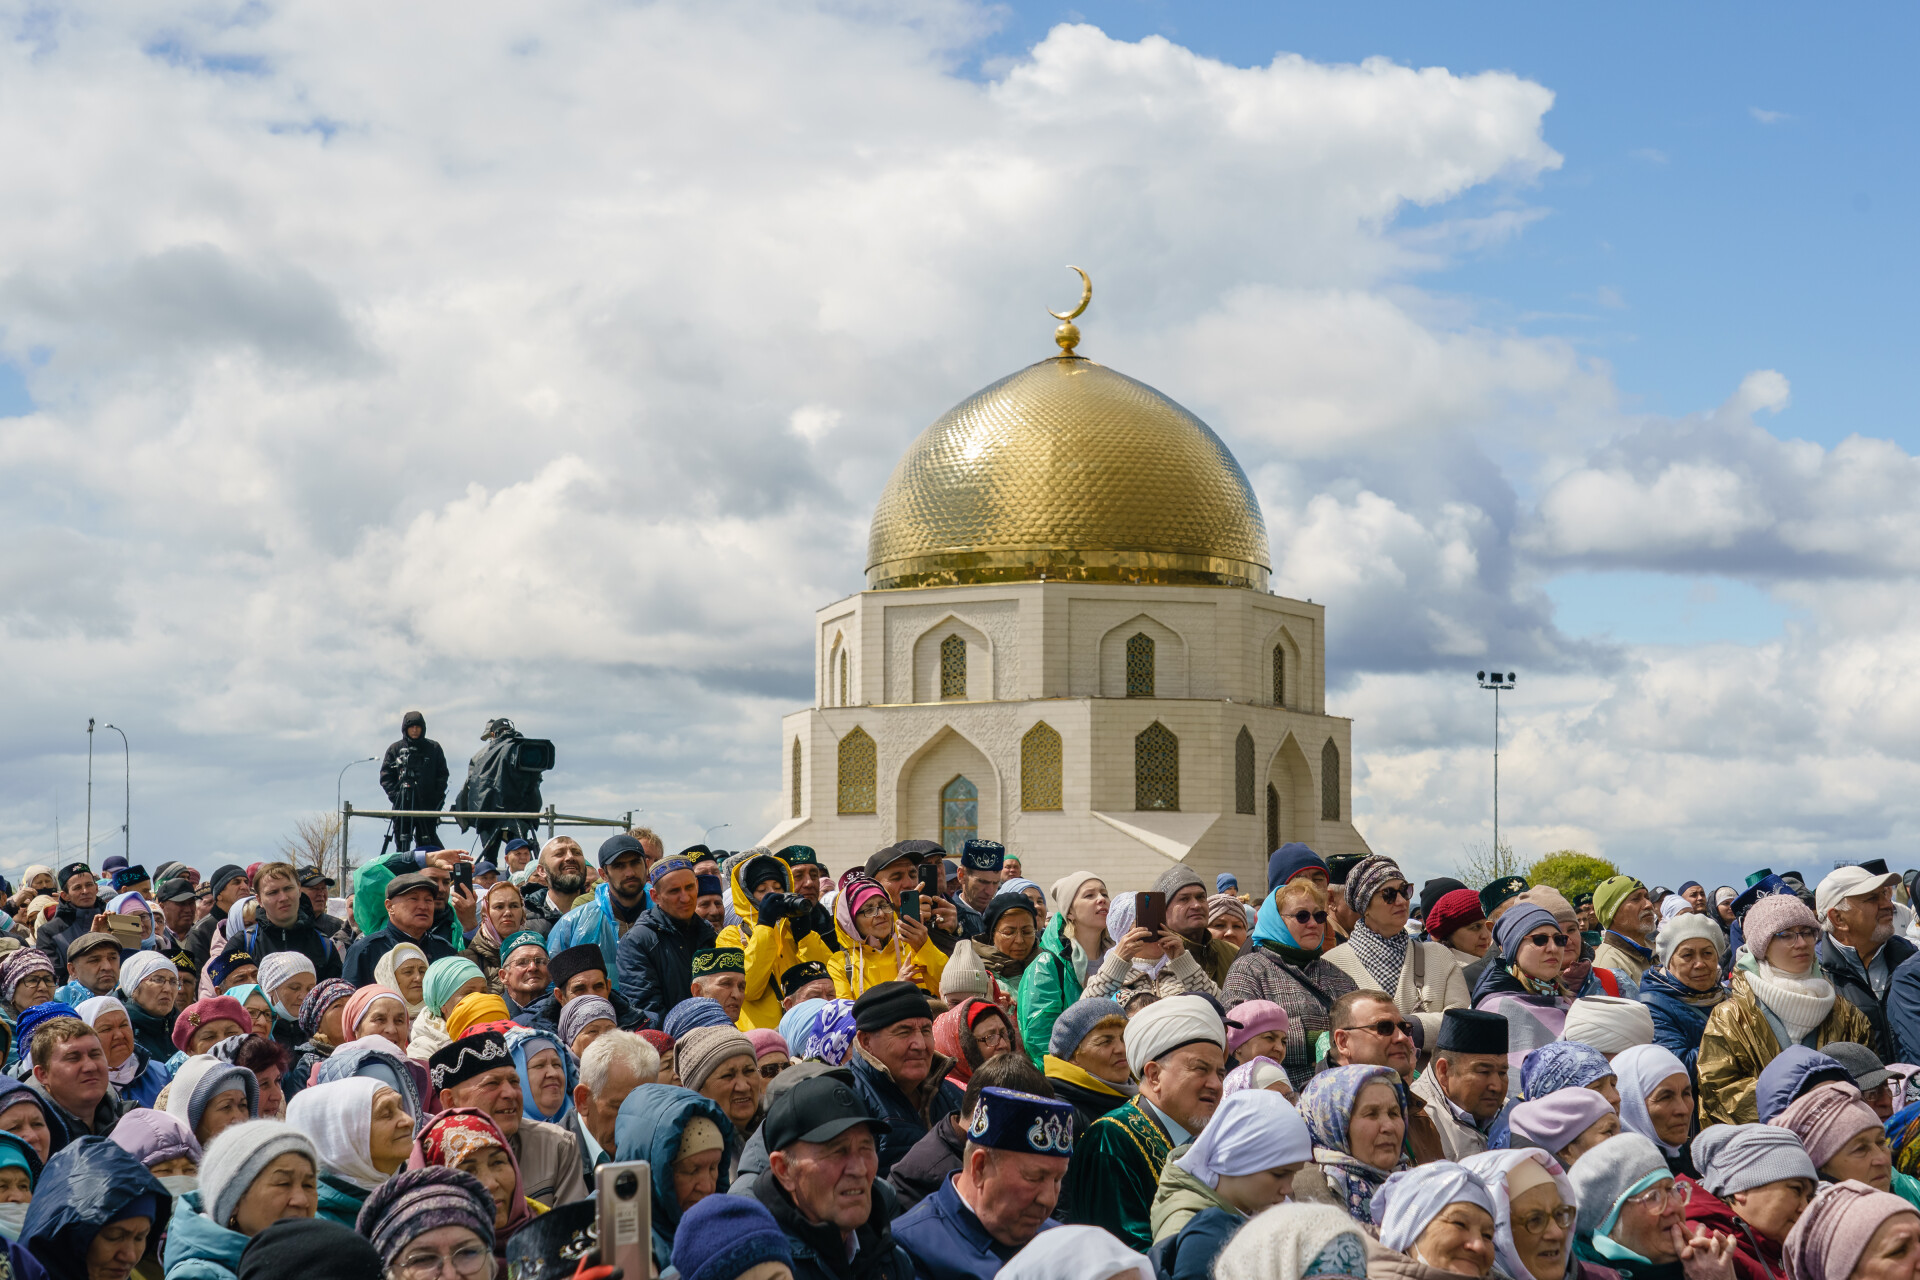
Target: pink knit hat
<point x="765" y="1042"/>
<point x="1769" y="916"/>
<point x="1827" y="1242"/>
<point x="1826" y="1118"/>
<point x="1250" y="1018"/>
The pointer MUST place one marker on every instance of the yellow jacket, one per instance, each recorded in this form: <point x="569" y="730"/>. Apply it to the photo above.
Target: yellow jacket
<point x="771" y="951"/>
<point x="857" y="966"/>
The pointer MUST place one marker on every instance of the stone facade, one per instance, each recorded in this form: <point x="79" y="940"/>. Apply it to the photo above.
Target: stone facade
<point x="941" y="690"/>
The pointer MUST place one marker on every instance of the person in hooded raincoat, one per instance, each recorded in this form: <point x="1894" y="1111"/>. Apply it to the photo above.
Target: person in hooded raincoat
<point x="94" y="1199"/>
<point x="414" y="776"/>
<point x="675" y="1129"/>
<point x="776" y="931"/>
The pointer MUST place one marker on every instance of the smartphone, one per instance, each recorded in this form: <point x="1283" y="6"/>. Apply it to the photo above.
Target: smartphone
<point x="910" y="904"/>
<point x="1150" y="911"/>
<point x="930" y="873"/>
<point x="463" y="875"/>
<point x="126" y="931"/>
<point x="622" y="1193"/>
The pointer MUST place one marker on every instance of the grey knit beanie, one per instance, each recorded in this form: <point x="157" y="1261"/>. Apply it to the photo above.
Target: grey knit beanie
<point x="216" y="1081"/>
<point x="238" y="1154"/>
<point x="1606" y="1173"/>
<point x="701" y="1051"/>
<point x="1077" y="1021"/>
<point x="1740" y="1157"/>
<point x="1176" y="878"/>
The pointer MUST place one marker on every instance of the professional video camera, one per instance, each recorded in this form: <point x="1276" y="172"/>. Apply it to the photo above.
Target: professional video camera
<point x="504" y="777"/>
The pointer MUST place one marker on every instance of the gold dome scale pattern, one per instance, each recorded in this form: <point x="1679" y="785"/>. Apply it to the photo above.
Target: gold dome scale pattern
<point x="1068" y="471"/>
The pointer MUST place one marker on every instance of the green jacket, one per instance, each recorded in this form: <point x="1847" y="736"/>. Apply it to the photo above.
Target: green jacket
<point x="340" y="1202"/>
<point x="1180" y="1197"/>
<point x="370" y="898"/>
<point x="1048" y="986"/>
<point x="1114" y="1174"/>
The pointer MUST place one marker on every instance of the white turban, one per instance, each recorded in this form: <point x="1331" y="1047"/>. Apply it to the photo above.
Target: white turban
<point x="1412" y="1198"/>
<point x="1608" y="1023"/>
<point x="1165" y="1025"/>
<point x="1253" y="1130"/>
<point x="1673" y="906"/>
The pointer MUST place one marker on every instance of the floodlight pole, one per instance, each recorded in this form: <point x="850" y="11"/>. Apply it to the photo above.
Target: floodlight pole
<point x="1497" y="681"/>
<point x="88" y="857"/>
<point x="126" y="823"/>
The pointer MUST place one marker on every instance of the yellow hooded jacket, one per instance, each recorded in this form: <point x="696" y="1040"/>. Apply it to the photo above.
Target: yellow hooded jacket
<point x="857" y="966"/>
<point x="771" y="951"/>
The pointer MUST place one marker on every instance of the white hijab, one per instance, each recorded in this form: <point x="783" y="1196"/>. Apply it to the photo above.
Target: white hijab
<point x="338" y="1118"/>
<point x="1076" y="1253"/>
<point x="1638" y="1072"/>
<point x="1494" y="1168"/>
<point x="1408" y="1202"/>
<point x="1254" y="1129"/>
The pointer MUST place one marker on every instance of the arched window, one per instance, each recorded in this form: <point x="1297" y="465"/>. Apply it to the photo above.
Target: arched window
<point x="1140" y="666"/>
<point x="953" y="667"/>
<point x="843" y="677"/>
<point x="959" y="814"/>
<point x="796" y="777"/>
<point x="1156" y="768"/>
<point x="857" y="762"/>
<point x="1273" y="818"/>
<point x="1279" y="676"/>
<point x="1040" y="768"/>
<point x="1330" y="782"/>
<point x="1243" y="772"/>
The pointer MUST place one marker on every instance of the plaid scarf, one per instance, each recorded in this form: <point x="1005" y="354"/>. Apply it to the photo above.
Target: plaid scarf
<point x="1383" y="957"/>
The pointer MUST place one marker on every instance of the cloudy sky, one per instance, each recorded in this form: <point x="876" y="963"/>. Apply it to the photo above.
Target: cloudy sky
<point x="547" y="361"/>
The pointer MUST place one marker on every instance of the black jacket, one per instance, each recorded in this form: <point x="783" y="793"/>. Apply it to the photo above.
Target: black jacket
<point x="927" y="1164"/>
<point x="71" y="921"/>
<point x="266" y="937"/>
<point x="1850" y="980"/>
<point x="429" y="769"/>
<point x="363" y="955"/>
<point x="546" y="1015"/>
<point x="655" y="960"/>
<point x="199" y="939"/>
<point x="820" y="1254"/>
<point x="909" y="1117"/>
<point x="155" y="1035"/>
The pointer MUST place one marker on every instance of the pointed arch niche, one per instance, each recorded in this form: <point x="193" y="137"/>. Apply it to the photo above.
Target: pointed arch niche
<point x="1281" y="679"/>
<point x="937" y="652"/>
<point x="1292" y="797"/>
<point x="1169" y="659"/>
<point x="920" y="789"/>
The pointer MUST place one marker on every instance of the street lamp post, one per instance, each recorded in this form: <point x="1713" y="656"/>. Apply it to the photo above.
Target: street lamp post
<point x="88" y="855"/>
<point x="126" y="823"/>
<point x="1496" y="681"/>
<point x="340" y="810"/>
<point x="718" y="826"/>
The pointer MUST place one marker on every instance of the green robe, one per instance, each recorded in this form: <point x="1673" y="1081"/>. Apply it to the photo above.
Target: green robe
<point x="1114" y="1173"/>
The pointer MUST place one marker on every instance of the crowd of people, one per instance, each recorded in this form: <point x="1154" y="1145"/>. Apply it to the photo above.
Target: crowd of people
<point x="932" y="1067"/>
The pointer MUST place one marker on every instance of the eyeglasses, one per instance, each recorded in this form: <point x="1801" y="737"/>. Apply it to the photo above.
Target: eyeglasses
<point x="1301" y="917"/>
<point x="467" y="1260"/>
<point x="769" y="1070"/>
<point x="1543" y="939"/>
<point x="1535" y="1223"/>
<point x="1659" y="1199"/>
<point x="1384" y="1028"/>
<point x="1392" y="895"/>
<point x="1804" y="933"/>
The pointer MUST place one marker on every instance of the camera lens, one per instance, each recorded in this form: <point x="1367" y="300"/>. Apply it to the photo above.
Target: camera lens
<point x="626" y="1186"/>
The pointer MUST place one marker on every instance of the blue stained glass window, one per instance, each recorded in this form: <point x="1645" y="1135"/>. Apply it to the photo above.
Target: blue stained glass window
<point x="959" y="814"/>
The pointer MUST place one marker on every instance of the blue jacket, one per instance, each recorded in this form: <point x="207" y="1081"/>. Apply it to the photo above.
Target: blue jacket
<point x="198" y="1248"/>
<point x="1795" y="1071"/>
<point x="145" y="1086"/>
<point x="1903" y="1013"/>
<point x="340" y="1202"/>
<point x="947" y="1242"/>
<point x="648" y="1128"/>
<point x="86" y="1185"/>
<point x="1677" y="1025"/>
<point x="885" y="1100"/>
<point x="363" y="955"/>
<point x="592" y="921"/>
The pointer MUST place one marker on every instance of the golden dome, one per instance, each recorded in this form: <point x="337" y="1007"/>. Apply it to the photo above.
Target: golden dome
<point x="1068" y="471"/>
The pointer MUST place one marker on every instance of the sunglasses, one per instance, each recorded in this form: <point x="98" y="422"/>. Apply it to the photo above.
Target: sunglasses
<point x="771" y="1069"/>
<point x="1385" y="1028"/>
<point x="1391" y="895"/>
<point x="1544" y="939"/>
<point x="1301" y="917"/>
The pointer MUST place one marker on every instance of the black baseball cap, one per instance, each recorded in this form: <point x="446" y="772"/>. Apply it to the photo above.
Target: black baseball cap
<point x="619" y="847"/>
<point x="177" y="890"/>
<point x="313" y="876"/>
<point x="819" y="1110"/>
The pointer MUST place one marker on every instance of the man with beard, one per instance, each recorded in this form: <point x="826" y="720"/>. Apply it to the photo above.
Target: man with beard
<point x="414" y="776"/>
<point x="1859" y="950"/>
<point x="808" y="878"/>
<point x="605" y="916"/>
<point x="564" y="865"/>
<point x="1628" y="919"/>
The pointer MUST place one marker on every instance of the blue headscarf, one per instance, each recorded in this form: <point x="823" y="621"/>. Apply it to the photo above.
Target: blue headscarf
<point x="1269" y="926"/>
<point x="795" y="1020"/>
<point x="827" y="1034"/>
<point x="1564" y="1064"/>
<point x="31" y="1019"/>
<point x="523" y="1043"/>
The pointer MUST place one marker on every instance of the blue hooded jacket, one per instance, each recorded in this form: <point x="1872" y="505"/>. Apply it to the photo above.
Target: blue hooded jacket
<point x="198" y="1248"/>
<point x="87" y="1185"/>
<point x="648" y="1128"/>
<point x="1677" y="1025"/>
<point x="1795" y="1071"/>
<point x="13" y="1092"/>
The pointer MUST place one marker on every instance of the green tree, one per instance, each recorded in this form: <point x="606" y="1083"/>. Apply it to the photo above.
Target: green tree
<point x="1571" y="872"/>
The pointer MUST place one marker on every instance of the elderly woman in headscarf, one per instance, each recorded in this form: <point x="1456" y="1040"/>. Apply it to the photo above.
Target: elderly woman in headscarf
<point x="1567" y="1122"/>
<point x="149" y="985"/>
<point x="1244" y="1161"/>
<point x="467" y="1139"/>
<point x="872" y="948"/>
<point x="502" y="913"/>
<point x="252" y="1176"/>
<point x="1434" y="1220"/>
<point x="1780" y="998"/>
<point x="1755" y="1181"/>
<point x="378" y="1011"/>
<point x="1086" y="1061"/>
<point x="1843" y="1136"/>
<point x="287" y="977"/>
<point x="323" y="1024"/>
<point x="1656" y="1102"/>
<point x="20" y="1167"/>
<point x="1143" y="961"/>
<point x="1422" y="977"/>
<point x="430" y="1218"/>
<point x="1229" y="920"/>
<point x="1631" y="1216"/>
<point x="1521" y="982"/>
<point x="1533" y="1216"/>
<point x="96" y="1212"/>
<point x="1284" y="965"/>
<point x="1357" y="1117"/>
<point x="1683" y="989"/>
<point x="1291" y="1242"/>
<point x="1852" y="1231"/>
<point x="404" y="970"/>
<point x="447" y="981"/>
<point x="26" y="979"/>
<point x="547" y="1074"/>
<point x="687" y="1142"/>
<point x="1077" y="1253"/>
<point x="970" y="1033"/>
<point x="824" y="1033"/>
<point x="130" y="1070"/>
<point x="363" y="1133"/>
<point x="1009" y="935"/>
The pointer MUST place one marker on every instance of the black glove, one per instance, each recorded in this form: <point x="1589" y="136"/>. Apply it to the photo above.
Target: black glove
<point x="803" y="918"/>
<point x="773" y="909"/>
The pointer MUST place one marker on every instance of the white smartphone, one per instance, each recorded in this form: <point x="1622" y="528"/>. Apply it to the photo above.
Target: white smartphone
<point x="625" y="1217"/>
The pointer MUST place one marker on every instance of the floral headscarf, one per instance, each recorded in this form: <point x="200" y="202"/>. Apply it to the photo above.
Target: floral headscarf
<point x="827" y="1035"/>
<point x="1903" y="1135"/>
<point x="1327" y="1104"/>
<point x="459" y="1132"/>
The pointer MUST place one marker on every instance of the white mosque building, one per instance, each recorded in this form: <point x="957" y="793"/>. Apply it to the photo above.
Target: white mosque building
<point x="1067" y="644"/>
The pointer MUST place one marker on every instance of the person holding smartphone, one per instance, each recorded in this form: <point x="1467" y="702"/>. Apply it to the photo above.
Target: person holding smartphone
<point x="1144" y="958"/>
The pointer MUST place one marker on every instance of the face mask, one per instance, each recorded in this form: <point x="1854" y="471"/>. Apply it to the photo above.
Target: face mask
<point x="178" y="1184"/>
<point x="13" y="1217"/>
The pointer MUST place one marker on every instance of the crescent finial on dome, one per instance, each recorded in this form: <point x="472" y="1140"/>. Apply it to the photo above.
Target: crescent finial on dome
<point x="1068" y="334"/>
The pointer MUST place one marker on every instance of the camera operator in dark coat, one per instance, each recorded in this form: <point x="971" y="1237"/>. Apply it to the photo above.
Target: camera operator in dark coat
<point x="414" y="776"/>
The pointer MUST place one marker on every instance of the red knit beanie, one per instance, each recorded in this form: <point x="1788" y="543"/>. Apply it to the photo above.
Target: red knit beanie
<point x="1456" y="909"/>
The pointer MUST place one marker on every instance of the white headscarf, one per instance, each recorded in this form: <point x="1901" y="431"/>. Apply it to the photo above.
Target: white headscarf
<point x="386" y="974"/>
<point x="1076" y="1253"/>
<point x="338" y="1118"/>
<point x="1288" y="1241"/>
<point x="1639" y="1071"/>
<point x="140" y="966"/>
<point x="1494" y="1168"/>
<point x="1411" y="1199"/>
<point x="1254" y="1129"/>
<point x="90" y="1010"/>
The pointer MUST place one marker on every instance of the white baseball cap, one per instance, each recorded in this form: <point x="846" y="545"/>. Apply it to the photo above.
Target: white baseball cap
<point x="1848" y="882"/>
